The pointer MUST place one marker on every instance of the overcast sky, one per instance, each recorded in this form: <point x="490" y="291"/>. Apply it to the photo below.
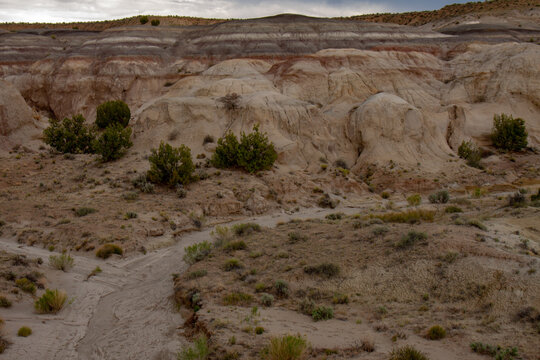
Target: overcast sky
<point x="87" y="10"/>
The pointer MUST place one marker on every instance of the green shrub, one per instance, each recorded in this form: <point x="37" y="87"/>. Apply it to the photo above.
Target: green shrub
<point x="414" y="200"/>
<point x="26" y="285"/>
<point x="24" y="331"/>
<point x="143" y="19"/>
<point x="61" y="262"/>
<point x="112" y="112"/>
<point x="130" y="215"/>
<point x="107" y="250"/>
<point x="259" y="330"/>
<point x="252" y="153"/>
<point x="199" y="351"/>
<point x="246" y="229"/>
<point x="453" y="209"/>
<point x="508" y="133"/>
<point x="267" y="299"/>
<point x="226" y="153"/>
<point x="80" y="212"/>
<point x="232" y="264"/>
<point x="470" y="152"/>
<point x="222" y="235"/>
<point x="288" y="347"/>
<point x="4" y="302"/>
<point x="155" y="22"/>
<point x="440" y="197"/>
<point x="411" y="239"/>
<point x="235" y="245"/>
<point x="326" y="269"/>
<point x="436" y="333"/>
<point x="70" y="135"/>
<point x="113" y="142"/>
<point x="237" y="298"/>
<point x="281" y="288"/>
<point x="409" y="216"/>
<point x="407" y="353"/>
<point x="197" y="252"/>
<point x="322" y="313"/>
<point x="171" y="166"/>
<point x="52" y="301"/>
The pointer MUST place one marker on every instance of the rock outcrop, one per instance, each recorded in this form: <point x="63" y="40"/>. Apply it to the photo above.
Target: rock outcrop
<point x="310" y="83"/>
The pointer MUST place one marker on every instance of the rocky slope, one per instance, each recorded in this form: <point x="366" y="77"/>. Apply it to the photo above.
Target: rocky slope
<point x="313" y="84"/>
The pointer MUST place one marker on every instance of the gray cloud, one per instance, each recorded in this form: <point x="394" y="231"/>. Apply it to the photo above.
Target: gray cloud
<point x="76" y="10"/>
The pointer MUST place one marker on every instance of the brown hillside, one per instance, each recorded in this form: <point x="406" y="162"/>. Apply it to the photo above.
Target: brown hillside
<point x="418" y="18"/>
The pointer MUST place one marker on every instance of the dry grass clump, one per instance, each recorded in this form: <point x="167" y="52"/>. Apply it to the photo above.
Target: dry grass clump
<point x="107" y="250"/>
<point x="237" y="298"/>
<point x="197" y="252"/>
<point x="51" y="302"/>
<point x="199" y="350"/>
<point x="412" y="238"/>
<point x="407" y="353"/>
<point x="26" y="285"/>
<point x="326" y="269"/>
<point x="4" y="302"/>
<point x="436" y="332"/>
<point x="409" y="216"/>
<point x="287" y="347"/>
<point x="245" y="229"/>
<point x="62" y="262"/>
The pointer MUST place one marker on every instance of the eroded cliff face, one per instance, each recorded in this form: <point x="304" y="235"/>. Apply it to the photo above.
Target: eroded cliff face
<point x="365" y="93"/>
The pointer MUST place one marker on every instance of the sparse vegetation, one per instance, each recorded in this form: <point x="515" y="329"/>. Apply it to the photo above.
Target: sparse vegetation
<point x="141" y="182"/>
<point x="253" y="153"/>
<point x="171" y="166"/>
<point x="322" y="313"/>
<point x="471" y="153"/>
<point x="287" y="347"/>
<point x="440" y="197"/>
<point x="4" y="302"/>
<point x="497" y="352"/>
<point x="267" y="299"/>
<point x="412" y="238"/>
<point x="62" y="262"/>
<point x="326" y="270"/>
<point x="281" y="288"/>
<point x="508" y="133"/>
<point x="452" y="209"/>
<point x="407" y="353"/>
<point x="107" y="250"/>
<point x="414" y="200"/>
<point x="83" y="211"/>
<point x="197" y="252"/>
<point x="232" y="264"/>
<point x="155" y="22"/>
<point x="52" y="301"/>
<point x="112" y="112"/>
<point x="517" y="200"/>
<point x="24" y="331"/>
<point x="26" y="285"/>
<point x="230" y="101"/>
<point x="409" y="216"/>
<point x="237" y="298"/>
<point x="436" y="332"/>
<point x="199" y="350"/>
<point x="245" y="229"/>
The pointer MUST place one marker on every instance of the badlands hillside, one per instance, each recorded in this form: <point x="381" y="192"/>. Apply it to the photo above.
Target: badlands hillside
<point x="366" y="118"/>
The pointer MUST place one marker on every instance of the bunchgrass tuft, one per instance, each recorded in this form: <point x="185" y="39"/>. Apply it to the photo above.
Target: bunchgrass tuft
<point x="51" y="302"/>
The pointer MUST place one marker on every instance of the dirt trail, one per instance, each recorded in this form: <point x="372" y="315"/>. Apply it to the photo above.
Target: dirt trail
<point x="125" y="312"/>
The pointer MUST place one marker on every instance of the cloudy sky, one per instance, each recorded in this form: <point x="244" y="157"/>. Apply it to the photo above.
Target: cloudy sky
<point x="87" y="10"/>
